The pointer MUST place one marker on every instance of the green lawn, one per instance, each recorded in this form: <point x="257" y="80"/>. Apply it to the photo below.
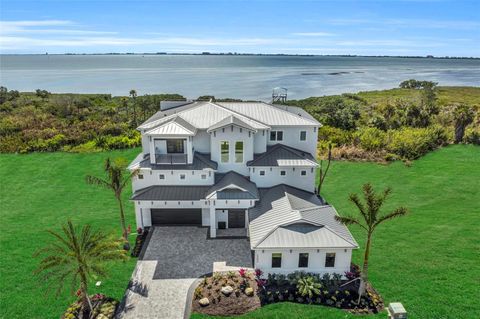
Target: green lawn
<point x="428" y="260"/>
<point x="39" y="192"/>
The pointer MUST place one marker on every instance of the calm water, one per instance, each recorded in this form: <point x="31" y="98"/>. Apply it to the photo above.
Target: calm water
<point x="247" y="77"/>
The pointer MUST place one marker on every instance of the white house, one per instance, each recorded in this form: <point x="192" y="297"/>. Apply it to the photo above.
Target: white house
<point x="241" y="166"/>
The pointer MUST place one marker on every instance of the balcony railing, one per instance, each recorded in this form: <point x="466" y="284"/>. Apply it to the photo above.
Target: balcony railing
<point x="171" y="159"/>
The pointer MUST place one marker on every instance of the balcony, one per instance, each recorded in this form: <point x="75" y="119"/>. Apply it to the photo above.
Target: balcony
<point x="173" y="159"/>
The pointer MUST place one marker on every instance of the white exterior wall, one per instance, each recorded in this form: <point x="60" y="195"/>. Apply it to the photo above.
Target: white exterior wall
<point x="291" y="137"/>
<point x="260" y="141"/>
<point x="293" y="177"/>
<point x="144" y="219"/>
<point x="172" y="177"/>
<point x="201" y="142"/>
<point x="316" y="260"/>
<point x="232" y="136"/>
<point x="145" y="144"/>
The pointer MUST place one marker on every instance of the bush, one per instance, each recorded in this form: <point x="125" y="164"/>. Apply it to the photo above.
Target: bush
<point x="123" y="141"/>
<point x="411" y="143"/>
<point x="472" y="136"/>
<point x="335" y="135"/>
<point x="88" y="147"/>
<point x="371" y="139"/>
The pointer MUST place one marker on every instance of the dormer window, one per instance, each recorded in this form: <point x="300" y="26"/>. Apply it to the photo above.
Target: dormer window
<point x="224" y="151"/>
<point x="276" y="136"/>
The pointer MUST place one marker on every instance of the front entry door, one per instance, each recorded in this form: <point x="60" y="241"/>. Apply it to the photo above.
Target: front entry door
<point x="236" y="218"/>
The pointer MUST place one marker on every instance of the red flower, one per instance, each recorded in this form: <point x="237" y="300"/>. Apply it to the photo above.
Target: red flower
<point x="78" y="293"/>
<point x="242" y="272"/>
<point x="139" y="230"/>
<point x="258" y="272"/>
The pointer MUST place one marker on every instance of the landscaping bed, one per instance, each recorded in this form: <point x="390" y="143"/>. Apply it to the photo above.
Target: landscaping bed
<point x="140" y="241"/>
<point x="103" y="308"/>
<point x="239" y="294"/>
<point x="327" y="290"/>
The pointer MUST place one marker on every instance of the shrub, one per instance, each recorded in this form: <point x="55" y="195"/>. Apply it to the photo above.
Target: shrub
<point x="371" y="139"/>
<point x="335" y="135"/>
<point x="472" y="136"/>
<point x="88" y="147"/>
<point x="411" y="143"/>
<point x="307" y="286"/>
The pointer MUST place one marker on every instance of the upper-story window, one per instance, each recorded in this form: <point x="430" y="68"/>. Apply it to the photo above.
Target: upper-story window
<point x="303" y="173"/>
<point x="161" y="176"/>
<point x="224" y="152"/>
<point x="303" y="135"/>
<point x="175" y="146"/>
<point x="283" y="173"/>
<point x="182" y="176"/>
<point x="276" y="136"/>
<point x="303" y="260"/>
<point x="239" y="152"/>
<point x="140" y="176"/>
<point x="262" y="173"/>
<point x="204" y="176"/>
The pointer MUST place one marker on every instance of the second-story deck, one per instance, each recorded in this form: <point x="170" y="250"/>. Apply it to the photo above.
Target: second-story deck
<point x="171" y="159"/>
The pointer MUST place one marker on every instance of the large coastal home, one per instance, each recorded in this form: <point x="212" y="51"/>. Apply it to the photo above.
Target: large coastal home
<point x="241" y="168"/>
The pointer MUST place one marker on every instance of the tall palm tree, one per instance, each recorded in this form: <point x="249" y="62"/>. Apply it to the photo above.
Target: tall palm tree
<point x="116" y="180"/>
<point x="133" y="94"/>
<point x="370" y="217"/>
<point x="75" y="257"/>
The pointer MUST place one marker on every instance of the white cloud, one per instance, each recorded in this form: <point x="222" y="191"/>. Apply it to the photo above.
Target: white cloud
<point x="410" y="23"/>
<point x="313" y="34"/>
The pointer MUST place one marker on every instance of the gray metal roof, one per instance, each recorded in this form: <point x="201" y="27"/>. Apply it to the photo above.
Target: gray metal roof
<point x="200" y="161"/>
<point x="269" y="114"/>
<point x="231" y="120"/>
<point x="304" y="235"/>
<point x="170" y="192"/>
<point x="283" y="205"/>
<point x="283" y="155"/>
<point x="234" y="194"/>
<point x="233" y="180"/>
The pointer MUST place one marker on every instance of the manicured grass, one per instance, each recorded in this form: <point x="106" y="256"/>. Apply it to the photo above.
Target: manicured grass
<point x="39" y="192"/>
<point x="428" y="260"/>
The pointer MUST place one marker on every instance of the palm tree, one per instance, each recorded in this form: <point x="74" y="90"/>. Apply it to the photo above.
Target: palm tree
<point x="133" y="94"/>
<point x="115" y="180"/>
<point x="370" y="218"/>
<point x="75" y="257"/>
<point x="464" y="116"/>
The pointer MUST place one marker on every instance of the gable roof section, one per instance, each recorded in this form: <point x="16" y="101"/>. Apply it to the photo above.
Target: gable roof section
<point x="202" y="115"/>
<point x="283" y="155"/>
<point x="304" y="235"/>
<point x="269" y="114"/>
<point x="175" y="125"/>
<point x="283" y="205"/>
<point x="236" y="182"/>
<point x="231" y="120"/>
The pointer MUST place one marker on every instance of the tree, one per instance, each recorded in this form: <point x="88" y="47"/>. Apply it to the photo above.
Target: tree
<point x="125" y="105"/>
<point x="115" y="180"/>
<point x="75" y="257"/>
<point x="3" y="94"/>
<point x="336" y="111"/>
<point x="370" y="218"/>
<point x="323" y="173"/>
<point x="463" y="116"/>
<point x="133" y="95"/>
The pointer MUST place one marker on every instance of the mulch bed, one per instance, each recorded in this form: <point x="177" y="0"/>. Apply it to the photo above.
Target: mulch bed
<point x="103" y="308"/>
<point x="140" y="240"/>
<point x="235" y="304"/>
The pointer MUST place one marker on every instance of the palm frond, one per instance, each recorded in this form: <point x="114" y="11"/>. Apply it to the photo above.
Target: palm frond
<point x="94" y="180"/>
<point x="348" y="220"/>
<point x="400" y="211"/>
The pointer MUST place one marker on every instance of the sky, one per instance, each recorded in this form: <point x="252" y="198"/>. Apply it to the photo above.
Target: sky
<point x="409" y="27"/>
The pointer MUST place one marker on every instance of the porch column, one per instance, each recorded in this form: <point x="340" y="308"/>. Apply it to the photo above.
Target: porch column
<point x="213" y="223"/>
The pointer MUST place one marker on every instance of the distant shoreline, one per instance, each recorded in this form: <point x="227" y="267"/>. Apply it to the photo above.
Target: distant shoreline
<point x="247" y="54"/>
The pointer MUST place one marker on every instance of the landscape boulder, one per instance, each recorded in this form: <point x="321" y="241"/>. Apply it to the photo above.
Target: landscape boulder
<point x="227" y="290"/>
<point x="204" y="302"/>
<point x="249" y="291"/>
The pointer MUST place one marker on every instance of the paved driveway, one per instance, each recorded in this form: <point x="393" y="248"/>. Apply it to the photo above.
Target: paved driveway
<point x="175" y="256"/>
<point x="186" y="252"/>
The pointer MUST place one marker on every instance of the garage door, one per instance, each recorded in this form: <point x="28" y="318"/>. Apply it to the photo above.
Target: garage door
<point x="236" y="219"/>
<point x="176" y="216"/>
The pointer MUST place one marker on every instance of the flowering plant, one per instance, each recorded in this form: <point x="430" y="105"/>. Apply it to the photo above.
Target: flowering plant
<point x="242" y="272"/>
<point x="258" y="272"/>
<point x="139" y="230"/>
